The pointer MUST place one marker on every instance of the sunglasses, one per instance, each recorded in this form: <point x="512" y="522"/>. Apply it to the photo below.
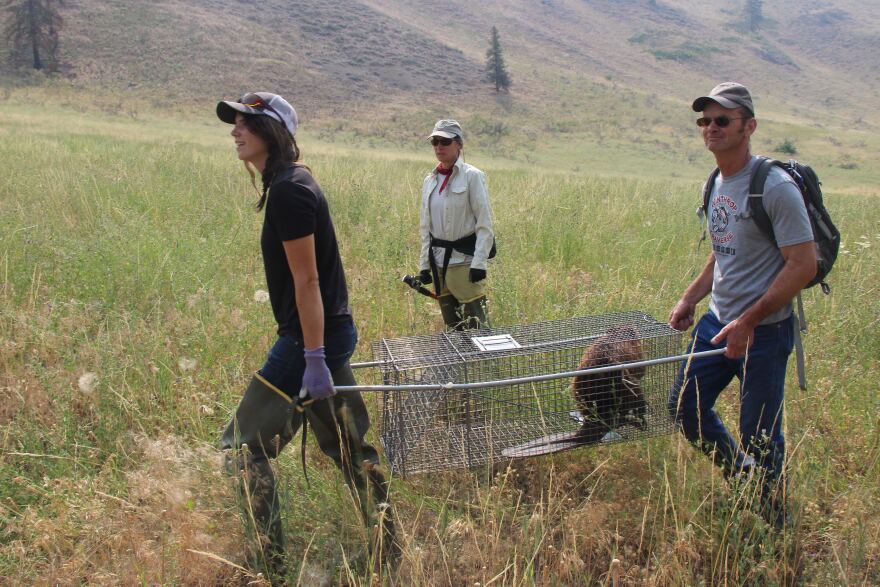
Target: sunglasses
<point x="721" y="121"/>
<point x="441" y="141"/>
<point x="254" y="101"/>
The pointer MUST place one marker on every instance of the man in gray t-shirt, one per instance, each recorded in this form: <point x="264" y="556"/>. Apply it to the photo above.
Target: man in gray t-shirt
<point x="747" y="261"/>
<point x="752" y="280"/>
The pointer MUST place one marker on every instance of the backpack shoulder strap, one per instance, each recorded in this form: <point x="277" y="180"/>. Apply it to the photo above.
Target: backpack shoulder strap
<point x="707" y="190"/>
<point x="756" y="195"/>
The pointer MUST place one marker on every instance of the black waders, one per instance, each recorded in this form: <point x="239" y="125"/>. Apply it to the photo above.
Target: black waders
<point x="265" y="421"/>
<point x="465" y="316"/>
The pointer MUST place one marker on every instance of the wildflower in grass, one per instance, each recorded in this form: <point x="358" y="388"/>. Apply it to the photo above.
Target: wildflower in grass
<point x="261" y="296"/>
<point x="87" y="382"/>
<point x="186" y="364"/>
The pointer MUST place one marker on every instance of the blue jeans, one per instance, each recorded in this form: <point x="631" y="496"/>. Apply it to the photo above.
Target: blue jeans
<point x="339" y="423"/>
<point x="762" y="393"/>
<point x="285" y="365"/>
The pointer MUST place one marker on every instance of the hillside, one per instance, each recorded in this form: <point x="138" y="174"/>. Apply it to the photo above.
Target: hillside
<point x="600" y="86"/>
<point x="676" y="48"/>
<point x="319" y="53"/>
<point x="343" y="56"/>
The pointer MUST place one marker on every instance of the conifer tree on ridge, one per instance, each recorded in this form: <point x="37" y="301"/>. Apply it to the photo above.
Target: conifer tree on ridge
<point x="496" y="70"/>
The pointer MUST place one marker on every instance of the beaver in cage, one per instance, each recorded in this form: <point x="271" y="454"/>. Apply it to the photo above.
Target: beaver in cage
<point x="612" y="399"/>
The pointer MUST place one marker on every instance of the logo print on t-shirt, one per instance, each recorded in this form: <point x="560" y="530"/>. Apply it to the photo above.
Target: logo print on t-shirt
<point x="723" y="209"/>
<point x="720" y="219"/>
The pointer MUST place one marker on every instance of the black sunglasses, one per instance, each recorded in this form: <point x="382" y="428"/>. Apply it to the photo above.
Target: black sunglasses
<point x="254" y="101"/>
<point x="438" y="141"/>
<point x="721" y="121"/>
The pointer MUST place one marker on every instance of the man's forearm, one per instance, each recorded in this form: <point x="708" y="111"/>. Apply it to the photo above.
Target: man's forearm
<point x="682" y="315"/>
<point x="794" y="276"/>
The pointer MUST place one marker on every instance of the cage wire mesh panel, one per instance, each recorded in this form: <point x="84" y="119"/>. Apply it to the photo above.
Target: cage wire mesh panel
<point x="429" y="430"/>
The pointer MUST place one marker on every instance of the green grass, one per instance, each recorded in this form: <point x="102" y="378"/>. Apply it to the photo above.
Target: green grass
<point x="129" y="250"/>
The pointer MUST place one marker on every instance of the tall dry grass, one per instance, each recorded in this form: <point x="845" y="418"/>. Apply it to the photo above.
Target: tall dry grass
<point x="129" y="324"/>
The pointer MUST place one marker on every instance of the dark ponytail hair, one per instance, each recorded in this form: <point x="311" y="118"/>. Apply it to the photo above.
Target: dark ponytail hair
<point x="282" y="150"/>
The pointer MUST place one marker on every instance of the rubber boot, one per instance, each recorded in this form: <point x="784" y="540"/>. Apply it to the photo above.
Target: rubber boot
<point x="339" y="425"/>
<point x="475" y="314"/>
<point x="261" y="427"/>
<point x="262" y="420"/>
<point x="451" y="312"/>
<point x="384" y="540"/>
<point x="261" y="505"/>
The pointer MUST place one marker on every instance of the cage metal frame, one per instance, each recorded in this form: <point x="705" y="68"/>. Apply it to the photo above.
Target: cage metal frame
<point x="447" y="403"/>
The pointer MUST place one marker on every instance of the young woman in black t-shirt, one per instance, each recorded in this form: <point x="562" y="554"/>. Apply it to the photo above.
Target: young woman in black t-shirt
<point x="316" y="334"/>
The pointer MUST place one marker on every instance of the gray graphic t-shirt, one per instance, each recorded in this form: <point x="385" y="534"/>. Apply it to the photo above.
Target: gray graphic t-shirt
<point x="747" y="260"/>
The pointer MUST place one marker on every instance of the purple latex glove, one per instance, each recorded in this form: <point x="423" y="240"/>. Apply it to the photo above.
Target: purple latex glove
<point x="316" y="379"/>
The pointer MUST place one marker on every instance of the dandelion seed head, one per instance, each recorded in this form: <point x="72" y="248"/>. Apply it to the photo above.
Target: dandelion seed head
<point x="87" y="382"/>
<point x="186" y="364"/>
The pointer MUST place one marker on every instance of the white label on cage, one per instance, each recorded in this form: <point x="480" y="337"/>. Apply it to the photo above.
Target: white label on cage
<point x="499" y="342"/>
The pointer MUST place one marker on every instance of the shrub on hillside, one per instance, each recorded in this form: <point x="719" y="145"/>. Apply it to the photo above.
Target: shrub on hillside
<point x="787" y="147"/>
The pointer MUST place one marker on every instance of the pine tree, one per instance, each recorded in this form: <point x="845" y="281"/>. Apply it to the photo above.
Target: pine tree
<point x="32" y="31"/>
<point x="754" y="15"/>
<point x="496" y="70"/>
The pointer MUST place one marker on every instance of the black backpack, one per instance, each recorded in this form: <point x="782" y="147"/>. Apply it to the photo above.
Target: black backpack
<point x="825" y="234"/>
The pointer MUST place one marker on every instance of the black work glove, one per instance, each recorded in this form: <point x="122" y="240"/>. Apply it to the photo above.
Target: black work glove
<point x="476" y="275"/>
<point x="425" y="277"/>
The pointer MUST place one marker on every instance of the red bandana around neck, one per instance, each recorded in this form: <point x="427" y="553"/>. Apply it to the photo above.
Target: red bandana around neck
<point x="447" y="173"/>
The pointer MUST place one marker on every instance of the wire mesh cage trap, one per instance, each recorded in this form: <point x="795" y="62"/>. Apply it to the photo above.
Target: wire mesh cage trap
<point x="504" y="395"/>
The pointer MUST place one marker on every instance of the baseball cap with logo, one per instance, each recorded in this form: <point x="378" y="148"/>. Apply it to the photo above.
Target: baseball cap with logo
<point x="728" y="95"/>
<point x="262" y="104"/>
<point x="448" y="129"/>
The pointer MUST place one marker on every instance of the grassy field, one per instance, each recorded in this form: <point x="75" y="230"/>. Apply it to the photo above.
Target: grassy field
<point x="129" y="325"/>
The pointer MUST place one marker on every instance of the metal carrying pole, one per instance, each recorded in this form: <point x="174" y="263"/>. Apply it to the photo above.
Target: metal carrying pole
<point x="518" y="380"/>
<point x="537" y="345"/>
<point x="366" y="364"/>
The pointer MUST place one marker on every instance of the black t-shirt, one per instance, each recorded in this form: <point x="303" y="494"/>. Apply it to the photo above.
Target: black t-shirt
<point x="295" y="208"/>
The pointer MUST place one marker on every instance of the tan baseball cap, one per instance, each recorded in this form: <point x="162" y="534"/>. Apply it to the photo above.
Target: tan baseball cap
<point x="448" y="129"/>
<point x="728" y="95"/>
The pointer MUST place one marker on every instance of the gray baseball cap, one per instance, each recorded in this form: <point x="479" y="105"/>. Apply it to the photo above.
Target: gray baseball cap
<point x="448" y="129"/>
<point x="261" y="104"/>
<point x="728" y="95"/>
